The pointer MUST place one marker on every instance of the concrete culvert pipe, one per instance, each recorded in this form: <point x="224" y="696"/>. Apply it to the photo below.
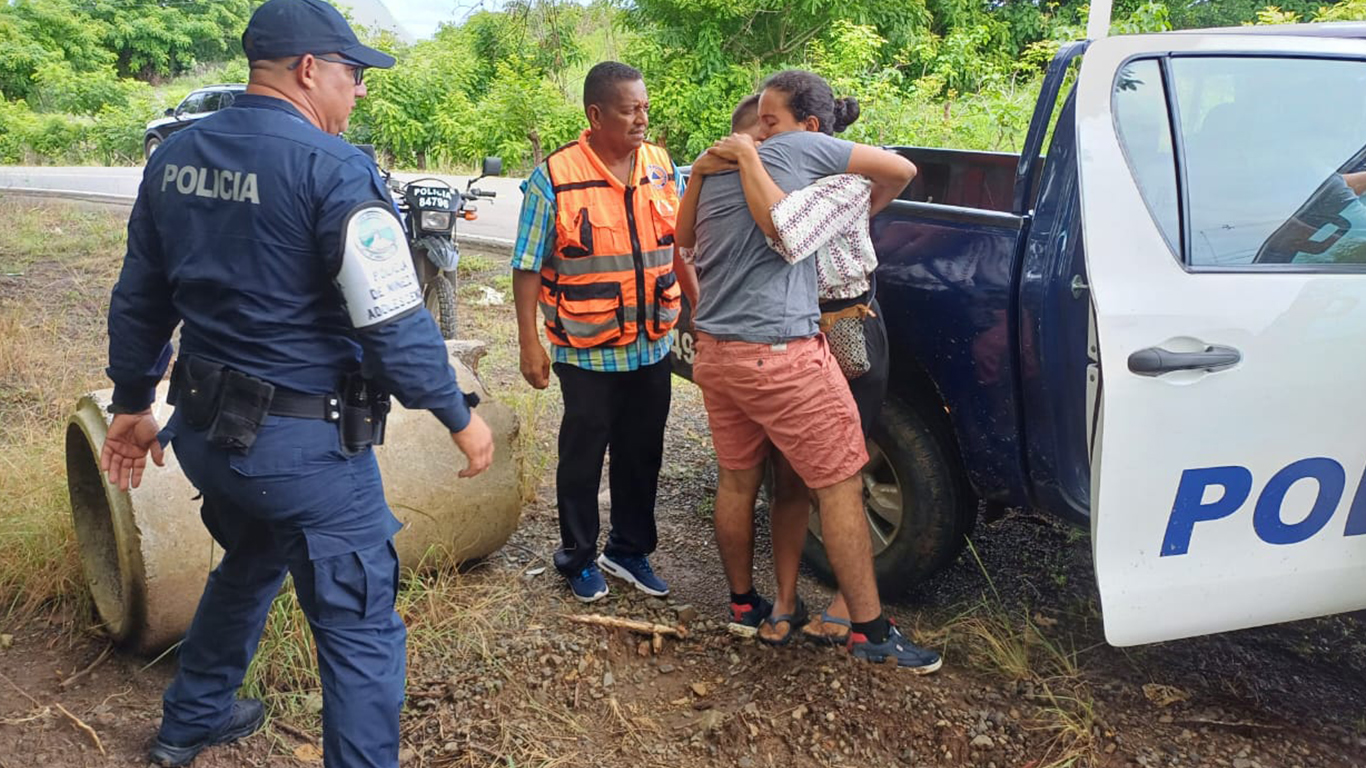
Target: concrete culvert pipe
<point x="146" y="554"/>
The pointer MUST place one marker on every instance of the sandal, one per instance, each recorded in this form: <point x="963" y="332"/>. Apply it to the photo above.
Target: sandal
<point x="821" y="638"/>
<point x="795" y="621"/>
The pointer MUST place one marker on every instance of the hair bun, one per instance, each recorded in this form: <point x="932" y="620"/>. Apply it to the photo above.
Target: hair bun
<point x="846" y="112"/>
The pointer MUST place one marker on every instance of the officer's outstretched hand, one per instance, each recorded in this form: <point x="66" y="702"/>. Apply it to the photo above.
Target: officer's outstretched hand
<point x="476" y="442"/>
<point x="535" y="365"/>
<point x="124" y="455"/>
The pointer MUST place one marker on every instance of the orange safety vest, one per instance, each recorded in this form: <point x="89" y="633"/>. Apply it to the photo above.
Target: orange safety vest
<point x="611" y="272"/>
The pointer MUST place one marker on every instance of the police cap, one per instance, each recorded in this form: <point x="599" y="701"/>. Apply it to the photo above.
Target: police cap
<point x="283" y="28"/>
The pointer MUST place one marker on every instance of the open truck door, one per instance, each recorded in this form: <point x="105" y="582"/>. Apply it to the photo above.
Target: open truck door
<point x="1225" y="239"/>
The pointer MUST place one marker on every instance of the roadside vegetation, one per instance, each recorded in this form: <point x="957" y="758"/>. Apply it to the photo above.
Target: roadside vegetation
<point x="79" y="79"/>
<point x="56" y="267"/>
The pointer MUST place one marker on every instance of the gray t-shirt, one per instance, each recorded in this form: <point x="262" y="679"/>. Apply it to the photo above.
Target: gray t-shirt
<point x="748" y="292"/>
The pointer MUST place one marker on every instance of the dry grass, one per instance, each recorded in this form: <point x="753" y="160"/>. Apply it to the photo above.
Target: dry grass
<point x="469" y="691"/>
<point x="452" y="616"/>
<point x="537" y="414"/>
<point x="58" y="264"/>
<point x="1012" y="644"/>
<point x="1072" y="721"/>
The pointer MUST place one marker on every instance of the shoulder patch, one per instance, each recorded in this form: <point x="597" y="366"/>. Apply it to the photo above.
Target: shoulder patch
<point x="376" y="279"/>
<point x="657" y="176"/>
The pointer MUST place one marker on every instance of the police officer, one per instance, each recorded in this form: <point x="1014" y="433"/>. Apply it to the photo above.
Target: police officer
<point x="274" y="244"/>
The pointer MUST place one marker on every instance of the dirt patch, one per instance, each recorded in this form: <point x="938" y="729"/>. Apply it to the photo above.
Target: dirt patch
<point x="498" y="676"/>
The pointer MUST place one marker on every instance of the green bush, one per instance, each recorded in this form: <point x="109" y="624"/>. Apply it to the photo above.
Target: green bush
<point x="15" y="120"/>
<point x="55" y="138"/>
<point x="116" y="135"/>
<point x="59" y="88"/>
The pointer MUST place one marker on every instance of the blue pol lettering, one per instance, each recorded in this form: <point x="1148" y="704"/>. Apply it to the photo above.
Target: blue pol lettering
<point x="1189" y="507"/>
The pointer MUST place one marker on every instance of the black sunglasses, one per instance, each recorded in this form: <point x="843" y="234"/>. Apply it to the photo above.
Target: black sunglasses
<point x="357" y="71"/>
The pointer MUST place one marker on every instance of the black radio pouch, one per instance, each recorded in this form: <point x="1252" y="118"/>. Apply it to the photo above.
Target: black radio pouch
<point x="197" y="385"/>
<point x="364" y="412"/>
<point x="243" y="409"/>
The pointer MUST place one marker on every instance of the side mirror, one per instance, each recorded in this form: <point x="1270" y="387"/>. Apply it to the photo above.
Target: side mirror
<point x="170" y="111"/>
<point x="493" y="166"/>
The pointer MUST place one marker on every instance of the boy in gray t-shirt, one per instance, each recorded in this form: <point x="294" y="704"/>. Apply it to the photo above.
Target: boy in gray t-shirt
<point x="748" y="291"/>
<point x="768" y="380"/>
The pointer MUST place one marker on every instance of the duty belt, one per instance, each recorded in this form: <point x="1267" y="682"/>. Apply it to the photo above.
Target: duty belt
<point x="231" y="406"/>
<point x="297" y="405"/>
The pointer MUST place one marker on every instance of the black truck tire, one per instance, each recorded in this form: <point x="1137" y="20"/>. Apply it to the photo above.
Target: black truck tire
<point x="439" y="295"/>
<point x="911" y="472"/>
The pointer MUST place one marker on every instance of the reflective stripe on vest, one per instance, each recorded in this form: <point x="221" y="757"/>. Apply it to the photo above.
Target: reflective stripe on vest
<point x="611" y="272"/>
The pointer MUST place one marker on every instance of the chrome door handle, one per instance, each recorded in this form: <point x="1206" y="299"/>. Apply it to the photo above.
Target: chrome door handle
<point x="1155" y="361"/>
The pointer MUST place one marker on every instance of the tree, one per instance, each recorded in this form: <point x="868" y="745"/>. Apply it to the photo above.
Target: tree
<point x="1198" y="14"/>
<point x="525" y="115"/>
<point x="152" y="38"/>
<point x="765" y="32"/>
<point x="38" y="32"/>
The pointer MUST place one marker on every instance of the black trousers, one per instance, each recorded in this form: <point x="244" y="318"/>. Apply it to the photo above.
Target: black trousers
<point x="624" y="412"/>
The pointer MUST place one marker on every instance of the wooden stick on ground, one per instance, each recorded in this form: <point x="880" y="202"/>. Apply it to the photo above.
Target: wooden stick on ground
<point x="76" y="720"/>
<point x="293" y="730"/>
<point x="79" y="723"/>
<point x="643" y="627"/>
<point x="67" y="683"/>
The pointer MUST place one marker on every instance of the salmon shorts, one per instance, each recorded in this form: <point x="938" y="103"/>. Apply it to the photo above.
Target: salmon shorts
<point x="790" y="396"/>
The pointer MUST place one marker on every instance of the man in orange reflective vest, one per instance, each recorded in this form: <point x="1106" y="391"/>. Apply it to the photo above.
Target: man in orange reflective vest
<point x="595" y="252"/>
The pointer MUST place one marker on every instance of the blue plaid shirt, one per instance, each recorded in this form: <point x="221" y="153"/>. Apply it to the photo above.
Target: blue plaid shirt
<point x="535" y="240"/>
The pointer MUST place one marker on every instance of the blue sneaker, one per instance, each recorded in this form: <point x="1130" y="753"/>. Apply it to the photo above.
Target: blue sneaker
<point x="588" y="584"/>
<point x="745" y="619"/>
<point x="635" y="569"/>
<point x="895" y="650"/>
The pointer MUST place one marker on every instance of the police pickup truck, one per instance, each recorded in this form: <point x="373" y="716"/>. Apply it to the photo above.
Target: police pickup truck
<point x="1151" y="330"/>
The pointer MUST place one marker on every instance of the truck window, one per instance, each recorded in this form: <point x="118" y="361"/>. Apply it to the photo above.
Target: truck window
<point x="1144" y="125"/>
<point x="1273" y="170"/>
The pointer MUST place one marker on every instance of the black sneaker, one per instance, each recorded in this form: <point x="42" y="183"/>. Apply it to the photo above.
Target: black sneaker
<point x="248" y="715"/>
<point x="745" y="619"/>
<point x="906" y="654"/>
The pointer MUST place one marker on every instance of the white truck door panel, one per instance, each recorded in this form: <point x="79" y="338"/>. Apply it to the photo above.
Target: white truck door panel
<point x="1229" y="293"/>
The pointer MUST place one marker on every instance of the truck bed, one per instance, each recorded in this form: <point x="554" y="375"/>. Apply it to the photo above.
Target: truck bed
<point x="962" y="178"/>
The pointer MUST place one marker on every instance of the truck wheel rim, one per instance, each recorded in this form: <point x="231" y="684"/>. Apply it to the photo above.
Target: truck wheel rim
<point x="882" y="501"/>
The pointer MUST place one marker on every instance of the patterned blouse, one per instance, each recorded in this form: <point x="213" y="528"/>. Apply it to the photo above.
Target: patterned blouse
<point x="829" y="219"/>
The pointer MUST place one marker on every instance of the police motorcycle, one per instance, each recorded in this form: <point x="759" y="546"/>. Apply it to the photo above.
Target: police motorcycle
<point x="430" y="209"/>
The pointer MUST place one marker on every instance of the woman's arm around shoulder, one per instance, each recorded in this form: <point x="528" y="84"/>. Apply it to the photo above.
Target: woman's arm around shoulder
<point x="889" y="172"/>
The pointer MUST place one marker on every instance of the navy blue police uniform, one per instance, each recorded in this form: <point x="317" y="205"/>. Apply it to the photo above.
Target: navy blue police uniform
<point x="276" y="249"/>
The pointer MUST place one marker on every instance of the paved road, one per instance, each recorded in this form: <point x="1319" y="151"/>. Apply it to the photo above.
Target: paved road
<point x="497" y="218"/>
